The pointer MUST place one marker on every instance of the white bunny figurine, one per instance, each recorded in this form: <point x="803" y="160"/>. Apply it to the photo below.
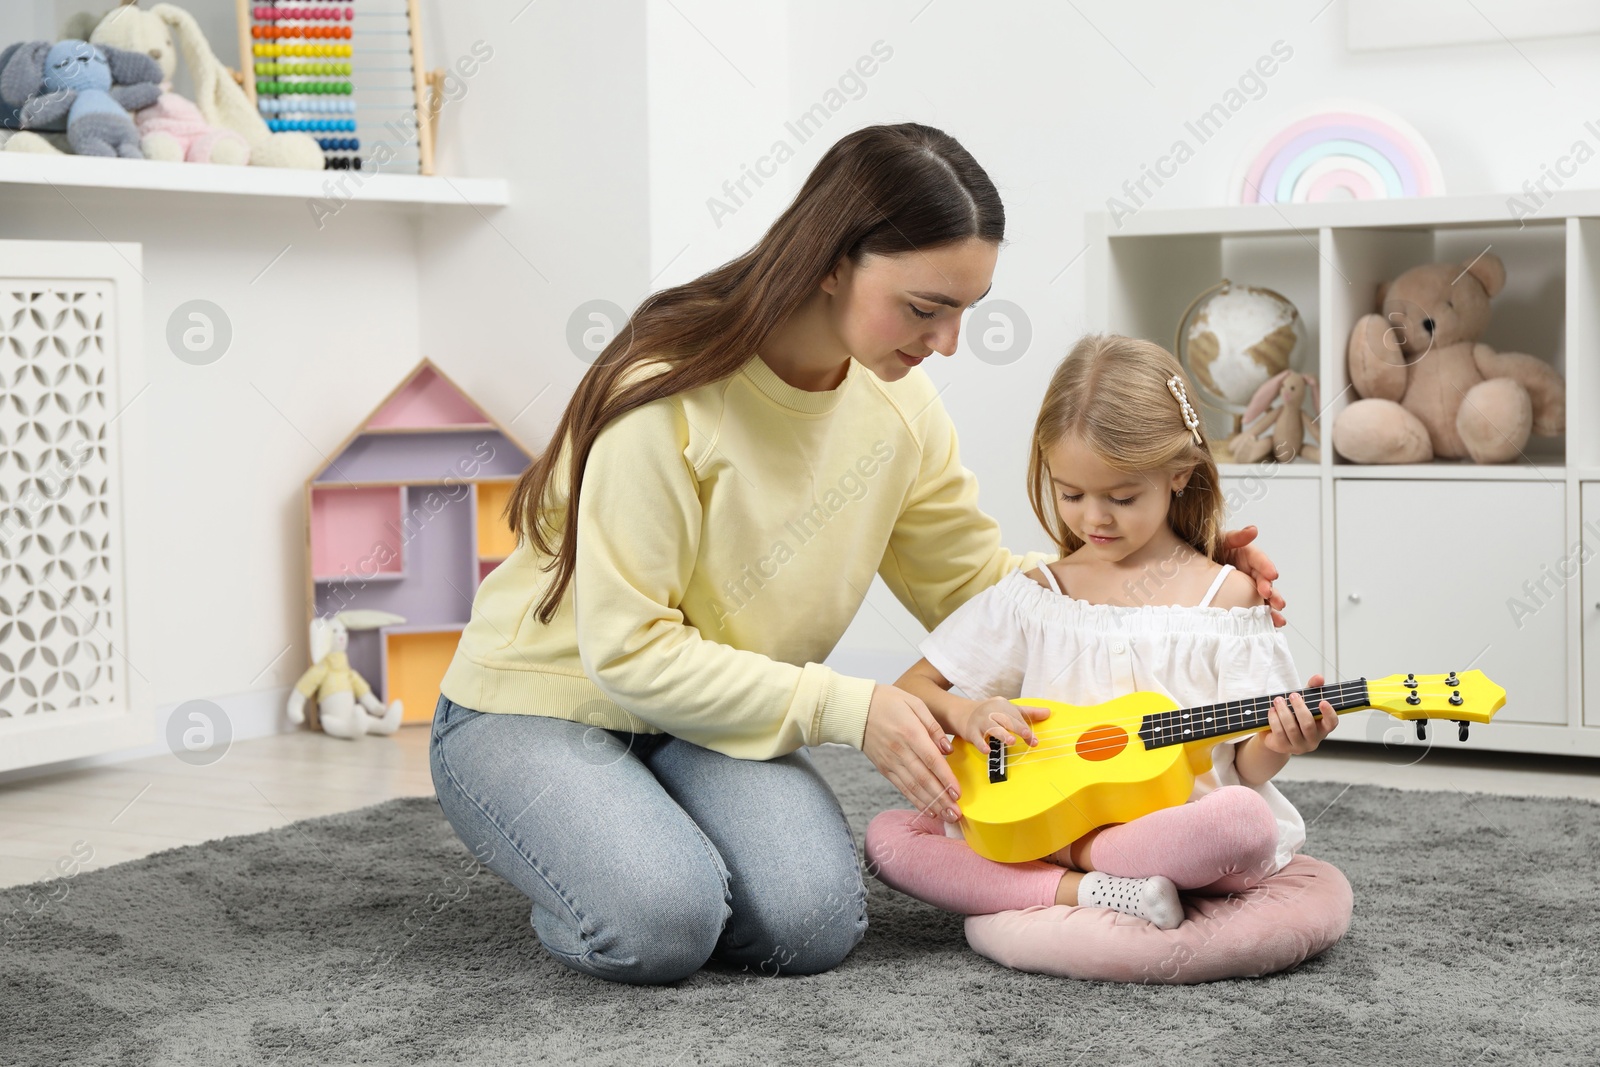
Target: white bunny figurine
<point x="336" y="685"/>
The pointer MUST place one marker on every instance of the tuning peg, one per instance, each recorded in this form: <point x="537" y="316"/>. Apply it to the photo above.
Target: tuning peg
<point x="1463" y="723"/>
<point x="1413" y="698"/>
<point x="1452" y="680"/>
<point x="1410" y="682"/>
<point x="1422" y="729"/>
<point x="1455" y="699"/>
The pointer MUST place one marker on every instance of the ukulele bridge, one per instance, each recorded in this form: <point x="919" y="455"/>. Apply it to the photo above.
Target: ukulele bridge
<point x="997" y="760"/>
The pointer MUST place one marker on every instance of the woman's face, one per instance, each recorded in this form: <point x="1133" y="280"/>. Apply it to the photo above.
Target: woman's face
<point x="891" y="312"/>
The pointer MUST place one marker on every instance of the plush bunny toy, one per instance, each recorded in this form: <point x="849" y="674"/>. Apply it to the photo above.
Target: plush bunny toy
<point x="1281" y="431"/>
<point x="92" y="88"/>
<point x="224" y="104"/>
<point x="337" y="686"/>
<point x="172" y="128"/>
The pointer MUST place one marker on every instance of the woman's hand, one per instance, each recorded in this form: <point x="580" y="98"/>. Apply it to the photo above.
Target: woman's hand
<point x="1237" y="550"/>
<point x="907" y="745"/>
<point x="1294" y="730"/>
<point x="998" y="717"/>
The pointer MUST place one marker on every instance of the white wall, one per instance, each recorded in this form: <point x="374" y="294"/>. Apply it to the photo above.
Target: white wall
<point x="615" y="122"/>
<point x="1061" y="108"/>
<point x="323" y="334"/>
<point x="559" y="111"/>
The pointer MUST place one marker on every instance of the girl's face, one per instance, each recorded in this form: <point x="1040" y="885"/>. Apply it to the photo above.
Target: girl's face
<point x="892" y="312"/>
<point x="1115" y="513"/>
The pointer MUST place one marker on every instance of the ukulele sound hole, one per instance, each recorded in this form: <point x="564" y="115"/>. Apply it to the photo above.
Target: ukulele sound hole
<point x="1102" y="742"/>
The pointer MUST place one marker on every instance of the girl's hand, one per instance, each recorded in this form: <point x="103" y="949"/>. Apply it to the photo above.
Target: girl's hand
<point x="1294" y="730"/>
<point x="907" y="745"/>
<point x="1238" y="551"/>
<point x="998" y="717"/>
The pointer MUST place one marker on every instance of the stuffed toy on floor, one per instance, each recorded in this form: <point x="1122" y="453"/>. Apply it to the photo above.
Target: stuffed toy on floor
<point x="345" y="704"/>
<point x="81" y="88"/>
<point x="1429" y="388"/>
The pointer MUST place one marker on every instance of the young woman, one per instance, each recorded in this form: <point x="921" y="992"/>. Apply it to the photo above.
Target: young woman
<point x="622" y="731"/>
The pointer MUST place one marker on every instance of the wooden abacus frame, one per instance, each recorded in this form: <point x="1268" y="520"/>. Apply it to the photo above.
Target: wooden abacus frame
<point x="427" y="87"/>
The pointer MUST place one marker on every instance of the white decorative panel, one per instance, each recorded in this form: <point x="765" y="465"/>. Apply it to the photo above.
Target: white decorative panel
<point x="58" y="611"/>
<point x="65" y="685"/>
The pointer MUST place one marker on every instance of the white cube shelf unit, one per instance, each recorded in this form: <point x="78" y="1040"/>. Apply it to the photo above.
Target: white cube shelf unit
<point x="1419" y="567"/>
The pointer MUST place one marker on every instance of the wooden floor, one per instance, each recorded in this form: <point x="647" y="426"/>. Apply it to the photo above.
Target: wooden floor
<point x="144" y="806"/>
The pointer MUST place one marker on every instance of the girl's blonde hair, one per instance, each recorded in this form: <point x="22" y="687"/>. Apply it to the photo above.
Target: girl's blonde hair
<point x="1111" y="393"/>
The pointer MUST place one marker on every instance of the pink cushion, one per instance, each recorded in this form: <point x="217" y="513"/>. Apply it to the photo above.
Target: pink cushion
<point x="1278" y="923"/>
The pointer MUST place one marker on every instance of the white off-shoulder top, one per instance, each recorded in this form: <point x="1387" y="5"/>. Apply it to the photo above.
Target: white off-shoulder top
<point x="1018" y="639"/>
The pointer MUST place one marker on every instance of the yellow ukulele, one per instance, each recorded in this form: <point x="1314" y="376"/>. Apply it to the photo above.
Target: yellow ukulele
<point x="1114" y="762"/>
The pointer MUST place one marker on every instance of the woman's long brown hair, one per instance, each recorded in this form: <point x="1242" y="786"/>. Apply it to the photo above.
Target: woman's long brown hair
<point x="882" y="190"/>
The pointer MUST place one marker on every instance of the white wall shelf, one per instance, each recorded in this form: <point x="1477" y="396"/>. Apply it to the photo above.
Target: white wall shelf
<point x="150" y="176"/>
<point x="1297" y="469"/>
<point x="1508" y="472"/>
<point x="1414" y="567"/>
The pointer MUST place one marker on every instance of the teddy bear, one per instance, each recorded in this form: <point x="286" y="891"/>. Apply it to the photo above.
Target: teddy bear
<point x="81" y="88"/>
<point x="1429" y="389"/>
<point x="172" y="128"/>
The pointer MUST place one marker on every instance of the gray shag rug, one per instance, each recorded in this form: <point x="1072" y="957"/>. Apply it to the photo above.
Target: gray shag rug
<point x="361" y="938"/>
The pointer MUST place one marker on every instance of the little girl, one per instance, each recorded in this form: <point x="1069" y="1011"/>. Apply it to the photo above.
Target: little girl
<point x="1138" y="601"/>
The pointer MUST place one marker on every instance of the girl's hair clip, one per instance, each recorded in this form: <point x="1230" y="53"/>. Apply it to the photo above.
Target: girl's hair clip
<point x="1181" y="395"/>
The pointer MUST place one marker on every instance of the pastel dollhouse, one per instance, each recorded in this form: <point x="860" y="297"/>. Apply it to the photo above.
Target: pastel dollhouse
<point x="406" y="518"/>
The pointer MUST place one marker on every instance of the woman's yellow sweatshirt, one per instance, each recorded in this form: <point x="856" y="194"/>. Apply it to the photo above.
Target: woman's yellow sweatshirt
<point x="726" y="537"/>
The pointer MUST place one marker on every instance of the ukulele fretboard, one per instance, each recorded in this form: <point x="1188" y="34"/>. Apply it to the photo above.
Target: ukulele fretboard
<point x="1237" y="716"/>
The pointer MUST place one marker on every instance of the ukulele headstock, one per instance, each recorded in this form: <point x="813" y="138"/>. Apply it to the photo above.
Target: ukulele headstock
<point x="1465" y="698"/>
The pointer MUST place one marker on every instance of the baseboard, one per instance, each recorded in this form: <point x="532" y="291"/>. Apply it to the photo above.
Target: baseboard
<point x="259" y="713"/>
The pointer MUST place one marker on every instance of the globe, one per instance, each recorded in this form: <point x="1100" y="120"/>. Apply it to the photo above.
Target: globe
<point x="1234" y="337"/>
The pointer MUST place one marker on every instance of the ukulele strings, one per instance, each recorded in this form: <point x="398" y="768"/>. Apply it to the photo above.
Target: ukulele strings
<point x="1119" y="742"/>
<point x="1344" y="690"/>
<point x="1113" y="745"/>
<point x="1086" y="751"/>
<point x="1128" y="721"/>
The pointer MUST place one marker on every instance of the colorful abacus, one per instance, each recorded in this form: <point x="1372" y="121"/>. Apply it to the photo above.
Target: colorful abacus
<point x="312" y="66"/>
<point x="301" y="63"/>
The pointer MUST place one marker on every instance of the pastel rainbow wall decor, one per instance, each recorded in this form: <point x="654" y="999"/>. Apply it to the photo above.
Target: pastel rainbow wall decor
<point x="1347" y="151"/>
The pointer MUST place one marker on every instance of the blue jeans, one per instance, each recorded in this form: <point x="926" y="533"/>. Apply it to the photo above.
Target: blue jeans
<point x="645" y="855"/>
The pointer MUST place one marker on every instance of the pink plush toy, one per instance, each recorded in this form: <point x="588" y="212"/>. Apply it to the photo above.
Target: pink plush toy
<point x="172" y="128"/>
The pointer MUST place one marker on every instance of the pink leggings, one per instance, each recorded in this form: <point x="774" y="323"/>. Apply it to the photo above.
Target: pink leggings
<point x="1225" y="842"/>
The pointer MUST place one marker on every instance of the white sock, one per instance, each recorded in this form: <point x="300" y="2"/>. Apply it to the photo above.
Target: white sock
<point x="1154" y="898"/>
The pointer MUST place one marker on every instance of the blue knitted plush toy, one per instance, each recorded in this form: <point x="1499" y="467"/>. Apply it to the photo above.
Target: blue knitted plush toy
<point x="91" y="88"/>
